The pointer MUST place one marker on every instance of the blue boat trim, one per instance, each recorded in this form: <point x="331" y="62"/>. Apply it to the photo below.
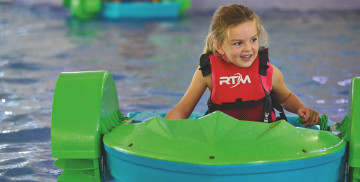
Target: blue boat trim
<point x="128" y="167"/>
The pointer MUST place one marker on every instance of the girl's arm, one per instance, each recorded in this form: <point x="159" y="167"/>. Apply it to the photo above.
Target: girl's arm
<point x="290" y="101"/>
<point x="192" y="96"/>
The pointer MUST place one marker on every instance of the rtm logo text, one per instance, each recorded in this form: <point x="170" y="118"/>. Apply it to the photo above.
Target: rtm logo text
<point x="234" y="80"/>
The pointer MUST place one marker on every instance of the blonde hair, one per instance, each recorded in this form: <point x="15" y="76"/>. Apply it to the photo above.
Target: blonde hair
<point x="227" y="17"/>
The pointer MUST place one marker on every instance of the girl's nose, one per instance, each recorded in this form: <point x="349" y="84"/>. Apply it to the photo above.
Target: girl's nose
<point x="247" y="47"/>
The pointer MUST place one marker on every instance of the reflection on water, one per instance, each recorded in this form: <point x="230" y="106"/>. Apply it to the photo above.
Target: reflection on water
<point x="152" y="63"/>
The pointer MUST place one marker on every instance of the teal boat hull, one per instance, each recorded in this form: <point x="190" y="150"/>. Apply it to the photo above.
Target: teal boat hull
<point x="127" y="167"/>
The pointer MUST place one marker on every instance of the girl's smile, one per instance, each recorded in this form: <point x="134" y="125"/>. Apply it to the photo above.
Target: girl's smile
<point x="246" y="57"/>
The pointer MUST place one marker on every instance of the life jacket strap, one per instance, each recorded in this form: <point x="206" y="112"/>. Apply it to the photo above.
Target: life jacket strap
<point x="205" y="66"/>
<point x="234" y="105"/>
<point x="267" y="108"/>
<point x="263" y="60"/>
<point x="276" y="105"/>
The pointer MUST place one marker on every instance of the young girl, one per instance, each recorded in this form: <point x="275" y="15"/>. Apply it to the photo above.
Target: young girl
<point x="236" y="70"/>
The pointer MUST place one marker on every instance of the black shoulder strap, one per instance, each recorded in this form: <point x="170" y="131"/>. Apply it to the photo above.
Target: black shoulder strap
<point x="276" y="105"/>
<point x="205" y="64"/>
<point x="263" y="59"/>
<point x="271" y="99"/>
<point x="267" y="108"/>
<point x="263" y="66"/>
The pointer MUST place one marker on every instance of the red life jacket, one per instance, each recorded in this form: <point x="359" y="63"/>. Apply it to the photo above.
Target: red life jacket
<point x="243" y="93"/>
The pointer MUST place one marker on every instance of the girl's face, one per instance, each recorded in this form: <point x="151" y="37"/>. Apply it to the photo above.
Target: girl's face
<point x="241" y="45"/>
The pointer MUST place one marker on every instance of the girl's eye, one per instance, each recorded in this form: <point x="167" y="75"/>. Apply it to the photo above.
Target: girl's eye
<point x="237" y="43"/>
<point x="254" y="40"/>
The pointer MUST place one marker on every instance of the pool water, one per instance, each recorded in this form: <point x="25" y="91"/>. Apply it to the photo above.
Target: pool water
<point x="152" y="63"/>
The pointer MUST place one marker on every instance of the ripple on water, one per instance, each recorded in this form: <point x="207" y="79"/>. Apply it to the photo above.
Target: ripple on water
<point x="320" y="79"/>
<point x="345" y="82"/>
<point x="12" y="161"/>
<point x="118" y="77"/>
<point x="17" y="172"/>
<point x="21" y="81"/>
<point x="19" y="118"/>
<point x="12" y="149"/>
<point x="24" y="66"/>
<point x="23" y="136"/>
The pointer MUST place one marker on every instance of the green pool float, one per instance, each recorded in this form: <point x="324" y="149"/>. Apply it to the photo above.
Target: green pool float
<point x="88" y="9"/>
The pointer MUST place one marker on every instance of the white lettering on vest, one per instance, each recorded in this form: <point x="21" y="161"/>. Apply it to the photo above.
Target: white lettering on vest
<point x="234" y="80"/>
<point x="266" y="120"/>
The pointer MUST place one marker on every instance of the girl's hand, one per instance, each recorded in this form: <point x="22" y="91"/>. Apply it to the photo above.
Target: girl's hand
<point x="311" y="117"/>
